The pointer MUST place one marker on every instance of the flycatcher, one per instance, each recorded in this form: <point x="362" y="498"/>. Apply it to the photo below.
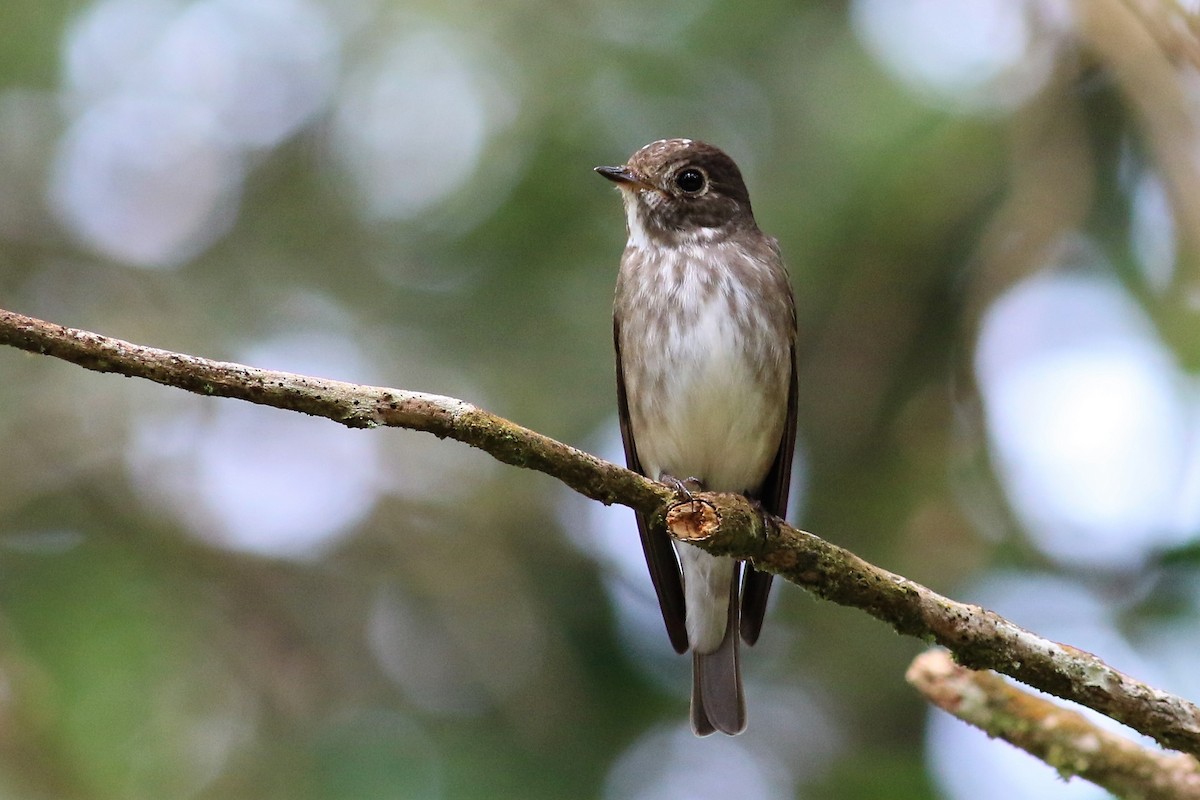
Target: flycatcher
<point x="704" y="324"/>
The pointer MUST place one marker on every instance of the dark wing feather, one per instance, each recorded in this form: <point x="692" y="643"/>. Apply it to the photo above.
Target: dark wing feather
<point x="656" y="544"/>
<point x="774" y="498"/>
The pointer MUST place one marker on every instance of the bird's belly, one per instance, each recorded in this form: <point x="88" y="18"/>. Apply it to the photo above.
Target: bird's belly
<point x="711" y="415"/>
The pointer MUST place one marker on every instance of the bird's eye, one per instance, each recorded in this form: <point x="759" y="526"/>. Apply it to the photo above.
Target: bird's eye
<point x="690" y="180"/>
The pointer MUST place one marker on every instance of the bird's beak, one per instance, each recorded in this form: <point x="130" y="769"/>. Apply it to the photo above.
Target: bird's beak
<point x="624" y="177"/>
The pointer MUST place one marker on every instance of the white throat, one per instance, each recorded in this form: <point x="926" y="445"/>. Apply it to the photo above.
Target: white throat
<point x="639" y="237"/>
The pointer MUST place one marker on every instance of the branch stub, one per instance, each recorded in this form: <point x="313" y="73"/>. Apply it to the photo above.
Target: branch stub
<point x="693" y="520"/>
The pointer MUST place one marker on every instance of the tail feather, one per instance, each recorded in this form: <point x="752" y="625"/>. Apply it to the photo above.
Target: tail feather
<point x="718" y="703"/>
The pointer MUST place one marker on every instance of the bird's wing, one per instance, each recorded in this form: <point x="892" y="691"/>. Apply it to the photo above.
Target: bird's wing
<point x="656" y="544"/>
<point x="774" y="498"/>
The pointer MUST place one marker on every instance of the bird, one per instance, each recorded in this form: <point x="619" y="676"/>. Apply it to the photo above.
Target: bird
<point x="704" y="328"/>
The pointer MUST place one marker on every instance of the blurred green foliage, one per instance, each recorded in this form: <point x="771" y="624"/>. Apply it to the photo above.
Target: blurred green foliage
<point x="141" y="658"/>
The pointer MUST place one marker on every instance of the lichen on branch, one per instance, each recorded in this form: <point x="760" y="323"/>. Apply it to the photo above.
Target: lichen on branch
<point x="1064" y="739"/>
<point x="721" y="523"/>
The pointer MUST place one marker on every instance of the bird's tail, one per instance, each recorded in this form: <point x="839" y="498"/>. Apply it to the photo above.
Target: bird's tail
<point x="718" y="703"/>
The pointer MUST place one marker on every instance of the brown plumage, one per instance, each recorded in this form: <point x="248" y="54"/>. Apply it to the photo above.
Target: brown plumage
<point x="704" y="327"/>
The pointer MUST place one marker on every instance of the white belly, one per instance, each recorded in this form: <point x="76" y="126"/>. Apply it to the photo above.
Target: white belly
<point x="709" y="417"/>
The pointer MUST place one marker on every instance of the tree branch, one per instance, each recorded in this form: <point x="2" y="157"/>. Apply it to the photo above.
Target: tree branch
<point x="720" y="523"/>
<point x="978" y="638"/>
<point x="351" y="404"/>
<point x="1064" y="739"/>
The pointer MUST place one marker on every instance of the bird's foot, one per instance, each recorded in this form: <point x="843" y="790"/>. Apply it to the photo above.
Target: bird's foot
<point x="770" y="523"/>
<point x="684" y="487"/>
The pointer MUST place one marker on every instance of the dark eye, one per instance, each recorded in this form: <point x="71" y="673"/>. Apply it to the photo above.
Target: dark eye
<point x="690" y="180"/>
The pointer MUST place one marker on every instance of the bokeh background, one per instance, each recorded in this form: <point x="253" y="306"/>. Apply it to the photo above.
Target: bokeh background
<point x="991" y="212"/>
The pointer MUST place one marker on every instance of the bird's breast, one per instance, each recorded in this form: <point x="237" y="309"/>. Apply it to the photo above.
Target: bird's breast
<point x="706" y="361"/>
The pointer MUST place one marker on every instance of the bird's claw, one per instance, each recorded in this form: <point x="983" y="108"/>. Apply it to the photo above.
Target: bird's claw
<point x="683" y="488"/>
<point x="770" y="522"/>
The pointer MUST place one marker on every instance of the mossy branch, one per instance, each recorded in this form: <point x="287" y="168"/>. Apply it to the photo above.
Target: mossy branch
<point x="720" y="523"/>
